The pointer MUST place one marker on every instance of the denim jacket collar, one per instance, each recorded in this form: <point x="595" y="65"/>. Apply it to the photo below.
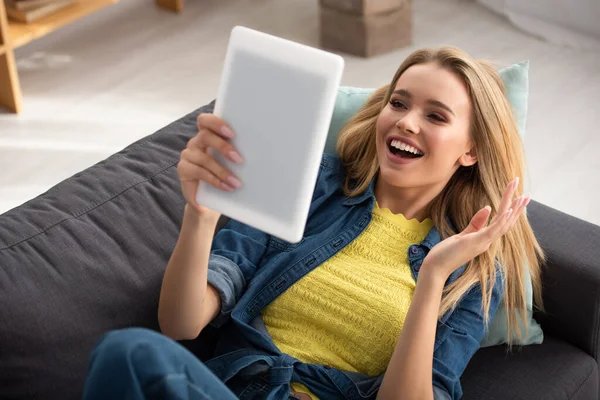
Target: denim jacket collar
<point x="364" y="196"/>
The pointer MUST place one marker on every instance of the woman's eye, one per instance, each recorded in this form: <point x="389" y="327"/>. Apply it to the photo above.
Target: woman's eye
<point x="397" y="104"/>
<point x="437" y="117"/>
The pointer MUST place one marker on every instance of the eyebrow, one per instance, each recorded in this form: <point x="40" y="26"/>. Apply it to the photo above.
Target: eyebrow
<point x="408" y="95"/>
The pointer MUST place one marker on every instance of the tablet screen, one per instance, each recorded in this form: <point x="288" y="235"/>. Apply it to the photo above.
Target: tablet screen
<point x="273" y="109"/>
<point x="278" y="96"/>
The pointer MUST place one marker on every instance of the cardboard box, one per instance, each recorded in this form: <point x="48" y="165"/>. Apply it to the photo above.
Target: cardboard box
<point x="366" y="35"/>
<point x="363" y="7"/>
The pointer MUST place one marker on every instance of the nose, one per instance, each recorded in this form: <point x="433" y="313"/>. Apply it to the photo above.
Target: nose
<point x="408" y="123"/>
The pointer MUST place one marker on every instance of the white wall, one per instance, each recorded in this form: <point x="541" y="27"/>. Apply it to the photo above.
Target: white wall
<point x="574" y="23"/>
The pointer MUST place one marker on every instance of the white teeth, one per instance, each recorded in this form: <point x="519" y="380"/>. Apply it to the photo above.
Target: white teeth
<point x="403" y="146"/>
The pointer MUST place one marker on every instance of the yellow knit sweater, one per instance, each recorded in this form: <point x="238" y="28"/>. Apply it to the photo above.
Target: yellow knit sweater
<point x="348" y="312"/>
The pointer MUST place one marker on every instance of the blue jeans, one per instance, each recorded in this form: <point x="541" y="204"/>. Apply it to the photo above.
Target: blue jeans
<point x="139" y="363"/>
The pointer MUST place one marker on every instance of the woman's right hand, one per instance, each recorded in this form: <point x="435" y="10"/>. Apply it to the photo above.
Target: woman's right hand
<point x="196" y="163"/>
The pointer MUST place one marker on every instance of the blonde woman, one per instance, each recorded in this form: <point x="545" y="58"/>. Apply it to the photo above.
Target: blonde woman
<point x="416" y="234"/>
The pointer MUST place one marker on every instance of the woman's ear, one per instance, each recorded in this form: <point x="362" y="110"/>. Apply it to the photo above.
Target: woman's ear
<point x="469" y="158"/>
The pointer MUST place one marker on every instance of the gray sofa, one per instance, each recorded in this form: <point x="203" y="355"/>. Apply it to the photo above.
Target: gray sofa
<point x="88" y="256"/>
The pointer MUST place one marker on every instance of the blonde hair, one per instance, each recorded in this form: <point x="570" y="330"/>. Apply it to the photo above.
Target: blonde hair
<point x="501" y="158"/>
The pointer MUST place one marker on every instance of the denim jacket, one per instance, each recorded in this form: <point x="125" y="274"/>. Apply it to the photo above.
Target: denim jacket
<point x="249" y="269"/>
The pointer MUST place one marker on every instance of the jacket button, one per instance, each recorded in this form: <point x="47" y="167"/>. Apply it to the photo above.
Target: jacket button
<point x="414" y="250"/>
<point x="351" y="392"/>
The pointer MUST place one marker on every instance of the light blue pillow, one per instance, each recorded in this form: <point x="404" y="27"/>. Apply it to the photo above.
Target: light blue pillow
<point x="497" y="332"/>
<point x="516" y="80"/>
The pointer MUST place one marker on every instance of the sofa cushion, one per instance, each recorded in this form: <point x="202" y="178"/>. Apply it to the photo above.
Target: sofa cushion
<point x="86" y="257"/>
<point x="554" y="370"/>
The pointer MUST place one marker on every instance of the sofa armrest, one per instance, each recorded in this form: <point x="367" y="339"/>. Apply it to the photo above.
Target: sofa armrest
<point x="571" y="277"/>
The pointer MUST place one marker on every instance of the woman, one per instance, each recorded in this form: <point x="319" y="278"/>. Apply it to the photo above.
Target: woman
<point x="390" y="291"/>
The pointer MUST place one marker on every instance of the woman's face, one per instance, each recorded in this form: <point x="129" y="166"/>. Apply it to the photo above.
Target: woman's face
<point x="429" y="110"/>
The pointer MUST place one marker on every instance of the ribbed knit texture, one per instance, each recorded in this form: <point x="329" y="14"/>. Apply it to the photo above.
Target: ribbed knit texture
<point x="348" y="312"/>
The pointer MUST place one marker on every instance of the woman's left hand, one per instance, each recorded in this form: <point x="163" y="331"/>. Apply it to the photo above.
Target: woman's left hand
<point x="451" y="253"/>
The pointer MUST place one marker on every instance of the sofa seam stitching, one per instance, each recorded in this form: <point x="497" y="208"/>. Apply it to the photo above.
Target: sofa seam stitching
<point x="86" y="211"/>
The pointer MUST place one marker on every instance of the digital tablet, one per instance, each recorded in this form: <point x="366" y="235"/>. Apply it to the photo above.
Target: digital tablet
<point x="278" y="96"/>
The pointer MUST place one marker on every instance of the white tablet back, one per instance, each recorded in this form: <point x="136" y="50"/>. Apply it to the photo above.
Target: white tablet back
<point x="278" y="96"/>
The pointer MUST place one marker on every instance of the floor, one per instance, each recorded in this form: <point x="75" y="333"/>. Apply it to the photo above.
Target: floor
<point x="97" y="85"/>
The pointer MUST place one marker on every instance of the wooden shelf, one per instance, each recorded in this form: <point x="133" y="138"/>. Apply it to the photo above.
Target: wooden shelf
<point x="20" y="33"/>
<point x="15" y="34"/>
<point x="173" y="5"/>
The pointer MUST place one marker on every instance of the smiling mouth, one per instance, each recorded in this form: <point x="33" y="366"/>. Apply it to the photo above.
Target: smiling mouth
<point x="394" y="147"/>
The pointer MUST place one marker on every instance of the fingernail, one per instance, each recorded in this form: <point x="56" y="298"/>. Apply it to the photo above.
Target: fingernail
<point x="517" y="182"/>
<point x="235" y="157"/>
<point x="226" y="187"/>
<point x="233" y="181"/>
<point x="227" y="132"/>
<point x="527" y="201"/>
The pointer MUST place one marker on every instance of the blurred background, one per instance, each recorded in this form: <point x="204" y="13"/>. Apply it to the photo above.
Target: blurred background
<point x="104" y="81"/>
